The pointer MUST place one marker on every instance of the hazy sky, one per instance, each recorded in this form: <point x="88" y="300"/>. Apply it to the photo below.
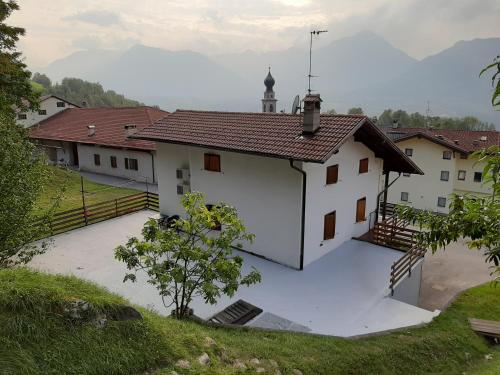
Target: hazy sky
<point x="55" y="28"/>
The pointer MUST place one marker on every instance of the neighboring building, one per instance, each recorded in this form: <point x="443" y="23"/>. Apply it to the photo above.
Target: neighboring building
<point x="96" y="140"/>
<point x="49" y="106"/>
<point x="445" y="157"/>
<point x="269" y="101"/>
<point x="303" y="184"/>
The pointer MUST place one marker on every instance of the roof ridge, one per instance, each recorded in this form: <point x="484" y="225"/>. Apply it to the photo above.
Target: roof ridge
<point x="266" y="113"/>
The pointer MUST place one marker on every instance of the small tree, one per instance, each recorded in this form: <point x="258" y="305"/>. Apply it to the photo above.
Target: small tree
<point x="355" y="111"/>
<point x="193" y="256"/>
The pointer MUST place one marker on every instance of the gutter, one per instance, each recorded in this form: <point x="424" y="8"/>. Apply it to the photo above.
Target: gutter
<point x="303" y="214"/>
<point x="153" y="165"/>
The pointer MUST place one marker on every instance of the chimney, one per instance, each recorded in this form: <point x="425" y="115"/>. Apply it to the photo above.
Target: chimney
<point x="483" y="138"/>
<point x="395" y="124"/>
<point x="91" y="130"/>
<point x="456" y="141"/>
<point x="312" y="108"/>
<point x="84" y="104"/>
<point x="129" y="130"/>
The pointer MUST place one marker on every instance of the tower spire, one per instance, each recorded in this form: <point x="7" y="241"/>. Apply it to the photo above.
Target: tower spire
<point x="269" y="101"/>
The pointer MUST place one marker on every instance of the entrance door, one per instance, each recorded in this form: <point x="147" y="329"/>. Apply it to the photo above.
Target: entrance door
<point x="75" y="154"/>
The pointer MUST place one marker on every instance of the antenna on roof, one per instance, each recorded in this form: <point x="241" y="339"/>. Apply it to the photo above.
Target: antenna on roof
<point x="314" y="32"/>
<point x="296" y="105"/>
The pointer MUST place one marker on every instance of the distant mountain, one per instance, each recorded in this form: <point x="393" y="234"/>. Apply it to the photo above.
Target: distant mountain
<point x="361" y="70"/>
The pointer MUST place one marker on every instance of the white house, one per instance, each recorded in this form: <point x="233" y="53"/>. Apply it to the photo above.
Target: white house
<point x="49" y="106"/>
<point x="303" y="184"/>
<point x="96" y="140"/>
<point x="445" y="157"/>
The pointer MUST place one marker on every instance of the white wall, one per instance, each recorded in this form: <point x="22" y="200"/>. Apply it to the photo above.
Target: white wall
<point x="86" y="162"/>
<point x="424" y="190"/>
<point x="468" y="185"/>
<point x="340" y="197"/>
<point x="408" y="289"/>
<point x="50" y="105"/>
<point x="265" y="191"/>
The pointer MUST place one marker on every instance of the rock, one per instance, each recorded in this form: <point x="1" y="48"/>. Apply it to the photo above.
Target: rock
<point x="296" y="372"/>
<point x="273" y="363"/>
<point x="204" y="359"/>
<point x="183" y="363"/>
<point x="124" y="312"/>
<point x="488" y="357"/>
<point x="209" y="342"/>
<point x="260" y="370"/>
<point x="77" y="309"/>
<point x="239" y="364"/>
<point x="254" y="361"/>
<point x="100" y="321"/>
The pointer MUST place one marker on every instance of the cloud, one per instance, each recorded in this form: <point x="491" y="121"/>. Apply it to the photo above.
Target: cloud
<point x="97" y="17"/>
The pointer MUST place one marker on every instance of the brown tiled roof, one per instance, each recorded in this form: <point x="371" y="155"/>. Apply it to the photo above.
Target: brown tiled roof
<point x="269" y="134"/>
<point x="71" y="125"/>
<point x="465" y="141"/>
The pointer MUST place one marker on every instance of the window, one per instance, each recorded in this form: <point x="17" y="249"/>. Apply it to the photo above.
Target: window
<point x="113" y="161"/>
<point x="97" y="159"/>
<point x="329" y="226"/>
<point x="409" y="151"/>
<point x="447" y="155"/>
<point x="42" y="112"/>
<point x="360" y="210"/>
<point x="441" y="202"/>
<point x="406" y="174"/>
<point x="363" y="165"/>
<point x="404" y="196"/>
<point x="478" y="176"/>
<point x="131" y="164"/>
<point x="21" y="116"/>
<point x="61" y="104"/>
<point x="461" y="175"/>
<point x="212" y="162"/>
<point x="216" y="224"/>
<point x="332" y="174"/>
<point x="445" y="175"/>
<point x="271" y="108"/>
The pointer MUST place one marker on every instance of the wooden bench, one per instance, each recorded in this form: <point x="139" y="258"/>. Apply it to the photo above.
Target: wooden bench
<point x="487" y="328"/>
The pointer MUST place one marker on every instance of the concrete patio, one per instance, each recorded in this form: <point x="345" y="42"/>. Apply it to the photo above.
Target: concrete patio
<point x="345" y="293"/>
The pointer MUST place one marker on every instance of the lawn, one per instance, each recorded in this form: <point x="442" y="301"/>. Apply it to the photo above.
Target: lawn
<point x="36" y="339"/>
<point x="68" y="183"/>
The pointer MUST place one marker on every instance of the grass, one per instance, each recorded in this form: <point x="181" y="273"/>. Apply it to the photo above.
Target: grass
<point x="35" y="339"/>
<point x="69" y="182"/>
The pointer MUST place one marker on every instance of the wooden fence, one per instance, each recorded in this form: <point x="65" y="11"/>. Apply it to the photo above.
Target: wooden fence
<point x="79" y="217"/>
<point x="403" y="266"/>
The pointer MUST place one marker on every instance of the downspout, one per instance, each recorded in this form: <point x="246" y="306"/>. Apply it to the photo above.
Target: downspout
<point x="303" y="214"/>
<point x="387" y="186"/>
<point x="153" y="166"/>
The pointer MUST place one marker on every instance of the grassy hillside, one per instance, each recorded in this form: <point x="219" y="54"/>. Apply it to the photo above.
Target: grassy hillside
<point x="36" y="339"/>
<point x="69" y="182"/>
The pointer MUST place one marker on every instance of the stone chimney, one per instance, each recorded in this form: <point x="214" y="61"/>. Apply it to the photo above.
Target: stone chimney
<point x="129" y="130"/>
<point x="312" y="109"/>
<point x="91" y="130"/>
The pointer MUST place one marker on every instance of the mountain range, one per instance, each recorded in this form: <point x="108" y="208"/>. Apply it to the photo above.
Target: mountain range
<point x="362" y="70"/>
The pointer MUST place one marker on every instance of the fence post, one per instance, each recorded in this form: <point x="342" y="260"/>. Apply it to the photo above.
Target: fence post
<point x="83" y="202"/>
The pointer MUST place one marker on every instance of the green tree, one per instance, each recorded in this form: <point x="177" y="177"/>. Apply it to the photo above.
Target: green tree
<point x="15" y="86"/>
<point x="332" y="111"/>
<point x="495" y="80"/>
<point x="193" y="256"/>
<point x="355" y="111"/>
<point x="23" y="174"/>
<point x="43" y="80"/>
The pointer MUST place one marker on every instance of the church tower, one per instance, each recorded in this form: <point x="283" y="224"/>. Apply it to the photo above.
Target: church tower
<point x="269" y="102"/>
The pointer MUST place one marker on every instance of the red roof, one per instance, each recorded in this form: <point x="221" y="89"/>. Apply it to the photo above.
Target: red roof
<point x="71" y="125"/>
<point x="272" y="134"/>
<point x="465" y="141"/>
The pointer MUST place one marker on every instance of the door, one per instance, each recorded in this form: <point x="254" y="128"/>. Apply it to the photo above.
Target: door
<point x="75" y="154"/>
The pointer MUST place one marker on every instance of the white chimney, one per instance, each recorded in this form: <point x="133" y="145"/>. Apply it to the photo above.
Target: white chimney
<point x="483" y="138"/>
<point x="91" y="130"/>
<point x="312" y="109"/>
<point x="129" y="130"/>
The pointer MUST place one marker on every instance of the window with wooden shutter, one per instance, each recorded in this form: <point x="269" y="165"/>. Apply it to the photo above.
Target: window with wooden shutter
<point x="97" y="159"/>
<point x="329" y="226"/>
<point x="113" y="161"/>
<point x="332" y="174"/>
<point x="126" y="163"/>
<point x="363" y="165"/>
<point x="361" y="210"/>
<point x="212" y="162"/>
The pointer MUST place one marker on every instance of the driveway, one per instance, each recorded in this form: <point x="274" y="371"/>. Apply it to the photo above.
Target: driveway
<point x="345" y="293"/>
<point x="448" y="272"/>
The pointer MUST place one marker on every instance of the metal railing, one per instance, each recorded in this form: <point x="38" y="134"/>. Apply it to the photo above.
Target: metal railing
<point x="404" y="265"/>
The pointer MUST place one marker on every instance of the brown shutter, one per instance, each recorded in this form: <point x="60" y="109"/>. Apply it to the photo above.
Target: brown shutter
<point x="207" y="162"/>
<point x="212" y="162"/>
<point x="332" y="174"/>
<point x="361" y="210"/>
<point x="329" y="226"/>
<point x="363" y="165"/>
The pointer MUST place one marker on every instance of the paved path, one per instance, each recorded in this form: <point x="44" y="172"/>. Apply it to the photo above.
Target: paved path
<point x="448" y="272"/>
<point x="119" y="182"/>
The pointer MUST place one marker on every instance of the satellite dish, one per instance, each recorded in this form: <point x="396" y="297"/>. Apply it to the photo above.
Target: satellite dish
<point x="296" y="105"/>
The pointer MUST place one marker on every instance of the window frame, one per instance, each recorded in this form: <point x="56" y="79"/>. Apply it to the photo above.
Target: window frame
<point x="211" y="162"/>
<point x="447" y="173"/>
<point x="409" y="152"/>
<point x="329" y="225"/>
<point x="407" y="196"/>
<point x="42" y="112"/>
<point x="131" y="164"/>
<point x="22" y="116"/>
<point x="358" y="202"/>
<point x="439" y="200"/>
<point x="460" y="171"/>
<point x="97" y="160"/>
<point x="480" y="177"/>
<point x="60" y="104"/>
<point x="113" y="161"/>
<point x="447" y="152"/>
<point x="363" y="165"/>
<point x="332" y="174"/>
